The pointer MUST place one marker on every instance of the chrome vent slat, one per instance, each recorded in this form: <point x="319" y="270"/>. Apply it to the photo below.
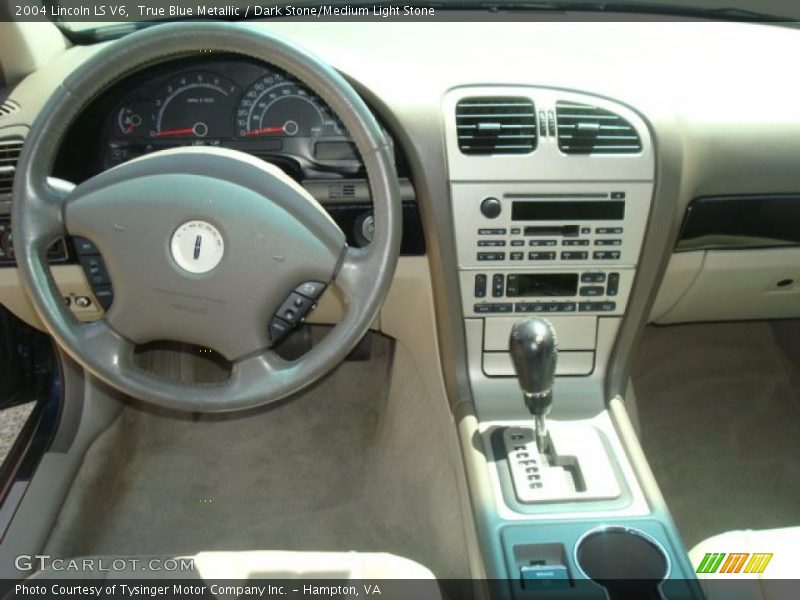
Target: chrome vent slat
<point x="585" y="129"/>
<point x="603" y="137"/>
<point x="341" y="191"/>
<point x="487" y="116"/>
<point x="504" y="146"/>
<point x="9" y="155"/>
<point x="599" y="125"/>
<point x="496" y="125"/>
<point x="592" y="117"/>
<point x="510" y="136"/>
<point x="608" y="148"/>
<point x="504" y="126"/>
<point x="467" y="104"/>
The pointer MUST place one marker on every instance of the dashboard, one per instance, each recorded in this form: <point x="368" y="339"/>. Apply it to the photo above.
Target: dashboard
<point x="215" y="100"/>
<point x="600" y="242"/>
<point x="219" y="100"/>
<point x="710" y="137"/>
<point x="228" y="102"/>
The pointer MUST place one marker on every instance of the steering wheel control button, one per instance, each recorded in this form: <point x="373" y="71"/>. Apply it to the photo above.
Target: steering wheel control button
<point x="294" y="308"/>
<point x="84" y="247"/>
<point x="104" y="296"/>
<point x="197" y="247"/>
<point x="95" y="270"/>
<point x="310" y="289"/>
<point x="278" y="329"/>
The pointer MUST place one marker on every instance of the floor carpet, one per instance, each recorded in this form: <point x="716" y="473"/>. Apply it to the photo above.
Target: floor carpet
<point x="358" y="462"/>
<point x="719" y="406"/>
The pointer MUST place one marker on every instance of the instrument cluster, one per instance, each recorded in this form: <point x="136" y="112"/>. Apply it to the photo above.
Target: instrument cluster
<point x="231" y="102"/>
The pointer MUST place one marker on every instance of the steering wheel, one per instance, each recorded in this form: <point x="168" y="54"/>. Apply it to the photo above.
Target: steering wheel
<point x="203" y="245"/>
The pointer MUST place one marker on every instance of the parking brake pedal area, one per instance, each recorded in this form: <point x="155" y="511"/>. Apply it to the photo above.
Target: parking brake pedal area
<point x="575" y="467"/>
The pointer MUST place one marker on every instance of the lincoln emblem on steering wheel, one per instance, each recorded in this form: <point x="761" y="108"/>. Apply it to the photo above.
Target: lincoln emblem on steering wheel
<point x="197" y="247"/>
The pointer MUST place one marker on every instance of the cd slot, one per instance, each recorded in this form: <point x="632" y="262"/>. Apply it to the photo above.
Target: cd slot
<point x="553" y="230"/>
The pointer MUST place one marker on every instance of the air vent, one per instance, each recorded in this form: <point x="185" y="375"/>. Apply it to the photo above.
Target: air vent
<point x="9" y="155"/>
<point x="8" y="107"/>
<point x="344" y="191"/>
<point x="501" y="125"/>
<point x="585" y="129"/>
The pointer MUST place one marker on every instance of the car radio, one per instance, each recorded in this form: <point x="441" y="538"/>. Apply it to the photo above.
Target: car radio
<point x="520" y="226"/>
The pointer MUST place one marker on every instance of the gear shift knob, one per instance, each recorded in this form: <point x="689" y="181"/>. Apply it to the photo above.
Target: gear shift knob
<point x="534" y="352"/>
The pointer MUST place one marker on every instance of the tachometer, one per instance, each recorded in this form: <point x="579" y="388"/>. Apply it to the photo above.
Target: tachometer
<point x="277" y="106"/>
<point x="195" y="105"/>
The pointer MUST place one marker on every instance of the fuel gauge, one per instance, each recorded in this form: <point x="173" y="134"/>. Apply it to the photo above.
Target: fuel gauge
<point x="130" y="119"/>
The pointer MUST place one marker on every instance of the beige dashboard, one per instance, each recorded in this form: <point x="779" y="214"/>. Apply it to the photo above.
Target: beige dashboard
<point x="723" y="117"/>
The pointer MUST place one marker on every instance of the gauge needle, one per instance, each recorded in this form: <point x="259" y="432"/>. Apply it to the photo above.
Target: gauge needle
<point x="279" y="129"/>
<point x="184" y="131"/>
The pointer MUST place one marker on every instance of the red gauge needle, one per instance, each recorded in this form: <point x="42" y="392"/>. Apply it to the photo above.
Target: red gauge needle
<point x="265" y="130"/>
<point x="184" y="131"/>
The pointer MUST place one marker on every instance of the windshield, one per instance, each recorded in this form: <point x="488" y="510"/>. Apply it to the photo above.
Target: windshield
<point x="85" y="15"/>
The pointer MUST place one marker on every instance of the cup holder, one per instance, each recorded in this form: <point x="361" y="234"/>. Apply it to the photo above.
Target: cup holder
<point x="627" y="562"/>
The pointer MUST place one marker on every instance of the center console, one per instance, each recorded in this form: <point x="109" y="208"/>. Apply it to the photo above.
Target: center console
<point x="550" y="195"/>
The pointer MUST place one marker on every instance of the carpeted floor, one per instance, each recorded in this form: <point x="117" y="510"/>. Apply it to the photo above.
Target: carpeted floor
<point x="358" y="462"/>
<point x="719" y="406"/>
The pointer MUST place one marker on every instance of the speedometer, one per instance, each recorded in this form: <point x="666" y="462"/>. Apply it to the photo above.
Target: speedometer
<point x="195" y="105"/>
<point x="278" y="107"/>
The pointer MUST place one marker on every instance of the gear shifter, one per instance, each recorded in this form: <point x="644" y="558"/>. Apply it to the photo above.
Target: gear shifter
<point x="534" y="352"/>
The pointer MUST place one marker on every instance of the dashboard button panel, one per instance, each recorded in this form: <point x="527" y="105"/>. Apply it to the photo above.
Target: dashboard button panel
<point x="598" y="277"/>
<point x="295" y="308"/>
<point x="494" y="307"/>
<point x="607" y="306"/>
<point x="551" y="290"/>
<point x="590" y="221"/>
<point x="480" y="285"/>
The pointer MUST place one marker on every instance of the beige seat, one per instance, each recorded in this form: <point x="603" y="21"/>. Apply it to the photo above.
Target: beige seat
<point x="253" y="565"/>
<point x="772" y="584"/>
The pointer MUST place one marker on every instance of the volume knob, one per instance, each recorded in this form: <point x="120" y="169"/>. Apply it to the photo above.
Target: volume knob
<point x="491" y="207"/>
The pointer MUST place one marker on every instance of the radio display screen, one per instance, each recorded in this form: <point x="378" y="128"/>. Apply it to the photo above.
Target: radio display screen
<point x="536" y="285"/>
<point x="569" y="210"/>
